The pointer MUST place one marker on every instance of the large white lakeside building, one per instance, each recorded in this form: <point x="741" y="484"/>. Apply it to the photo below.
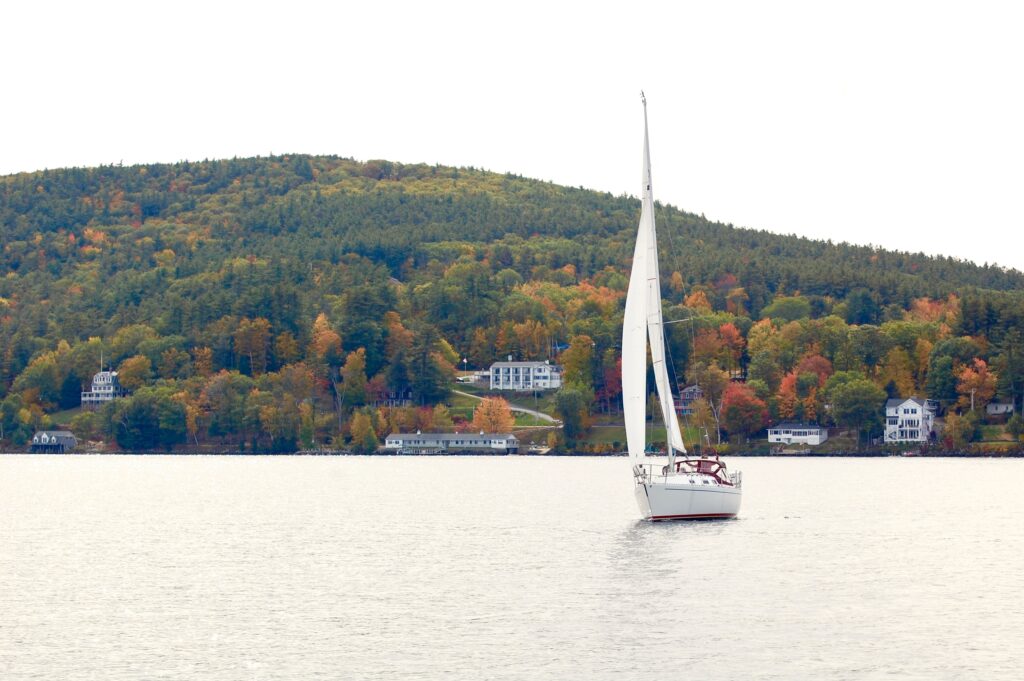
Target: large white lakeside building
<point x="105" y="387"/>
<point x="525" y="376"/>
<point x="908" y="419"/>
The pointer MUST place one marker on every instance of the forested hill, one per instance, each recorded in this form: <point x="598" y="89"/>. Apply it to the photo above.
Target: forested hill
<point x="166" y="260"/>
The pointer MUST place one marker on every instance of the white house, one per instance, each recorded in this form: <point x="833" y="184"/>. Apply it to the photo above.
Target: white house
<point x="908" y="419"/>
<point x="525" y="376"/>
<point x="105" y="387"/>
<point x="791" y="432"/>
<point x="441" y="443"/>
<point x="999" y="408"/>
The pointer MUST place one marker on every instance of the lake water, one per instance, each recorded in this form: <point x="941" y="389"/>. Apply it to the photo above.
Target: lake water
<point x="504" y="568"/>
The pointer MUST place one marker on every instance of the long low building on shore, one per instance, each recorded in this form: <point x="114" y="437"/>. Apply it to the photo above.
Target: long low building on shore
<point x="442" y="443"/>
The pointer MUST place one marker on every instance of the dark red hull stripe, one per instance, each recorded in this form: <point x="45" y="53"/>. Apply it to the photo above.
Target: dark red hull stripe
<point x="694" y="516"/>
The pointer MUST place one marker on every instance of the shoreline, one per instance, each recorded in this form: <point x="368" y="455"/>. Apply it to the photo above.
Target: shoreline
<point x="1018" y="454"/>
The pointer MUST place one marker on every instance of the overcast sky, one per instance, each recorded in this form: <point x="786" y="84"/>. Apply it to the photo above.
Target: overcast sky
<point x="892" y="123"/>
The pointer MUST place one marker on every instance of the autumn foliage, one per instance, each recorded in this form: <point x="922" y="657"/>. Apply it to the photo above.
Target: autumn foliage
<point x="742" y="412"/>
<point x="266" y="303"/>
<point x="493" y="415"/>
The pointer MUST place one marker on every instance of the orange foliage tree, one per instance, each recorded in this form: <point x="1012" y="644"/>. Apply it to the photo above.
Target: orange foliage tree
<point x="977" y="379"/>
<point x="493" y="415"/>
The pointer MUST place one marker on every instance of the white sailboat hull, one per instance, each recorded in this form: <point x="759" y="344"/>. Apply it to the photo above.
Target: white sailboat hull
<point x="676" y="498"/>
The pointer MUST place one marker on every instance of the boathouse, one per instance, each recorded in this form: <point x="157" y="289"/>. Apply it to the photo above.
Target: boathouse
<point x="451" y="443"/>
<point x="53" y="442"/>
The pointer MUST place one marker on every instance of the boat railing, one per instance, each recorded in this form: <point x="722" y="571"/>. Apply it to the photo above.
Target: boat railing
<point x="649" y="472"/>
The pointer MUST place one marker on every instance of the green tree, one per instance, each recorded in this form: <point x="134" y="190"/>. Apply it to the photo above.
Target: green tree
<point x="135" y="371"/>
<point x="353" y="379"/>
<point x="571" y="405"/>
<point x="960" y="431"/>
<point x="174" y="363"/>
<point x="226" y="396"/>
<point x="862" y="308"/>
<point x="941" y="383"/>
<point x="149" y="419"/>
<point x="429" y="377"/>
<point x="286" y="349"/>
<point x="787" y="309"/>
<point x="1009" y="364"/>
<point x="764" y="367"/>
<point x="364" y="439"/>
<point x="40" y="381"/>
<point x="1015" y="426"/>
<point x="578" y="362"/>
<point x="12" y="426"/>
<point x="858" y="404"/>
<point x="442" y="419"/>
<point x="126" y="341"/>
<point x="252" y="341"/>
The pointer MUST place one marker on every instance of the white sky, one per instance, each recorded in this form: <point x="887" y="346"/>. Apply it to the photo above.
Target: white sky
<point x="892" y="123"/>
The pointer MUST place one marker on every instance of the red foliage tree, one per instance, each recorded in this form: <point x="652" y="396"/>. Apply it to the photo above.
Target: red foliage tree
<point x="815" y="364"/>
<point x="742" y="412"/>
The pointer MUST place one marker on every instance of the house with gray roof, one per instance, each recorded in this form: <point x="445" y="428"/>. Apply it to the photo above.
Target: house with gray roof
<point x="792" y="432"/>
<point x="53" y="442"/>
<point x="451" y="443"/>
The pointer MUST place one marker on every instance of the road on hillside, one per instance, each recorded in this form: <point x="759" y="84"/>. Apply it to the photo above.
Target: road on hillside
<point x="522" y="410"/>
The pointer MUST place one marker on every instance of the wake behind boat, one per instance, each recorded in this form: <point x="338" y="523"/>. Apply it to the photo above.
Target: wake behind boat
<point x="683" y="488"/>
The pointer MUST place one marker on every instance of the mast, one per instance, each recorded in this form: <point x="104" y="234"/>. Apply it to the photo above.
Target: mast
<point x="634" y="344"/>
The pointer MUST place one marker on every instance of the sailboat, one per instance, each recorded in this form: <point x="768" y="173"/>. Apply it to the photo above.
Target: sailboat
<point x="684" y="487"/>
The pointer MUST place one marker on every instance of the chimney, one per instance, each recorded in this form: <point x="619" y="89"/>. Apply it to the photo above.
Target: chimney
<point x="510" y="358"/>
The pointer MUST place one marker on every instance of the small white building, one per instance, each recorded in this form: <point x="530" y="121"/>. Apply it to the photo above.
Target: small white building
<point x="999" y="408"/>
<point x="908" y="419"/>
<point x="791" y="432"/>
<point x="443" y="443"/>
<point x="105" y="387"/>
<point x="525" y="376"/>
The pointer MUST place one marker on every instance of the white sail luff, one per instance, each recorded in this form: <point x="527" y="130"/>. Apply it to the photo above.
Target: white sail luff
<point x="655" y="322"/>
<point x="634" y="352"/>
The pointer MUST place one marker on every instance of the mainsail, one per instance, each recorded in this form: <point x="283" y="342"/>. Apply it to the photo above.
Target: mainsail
<point x="643" y="309"/>
<point x="634" y="351"/>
